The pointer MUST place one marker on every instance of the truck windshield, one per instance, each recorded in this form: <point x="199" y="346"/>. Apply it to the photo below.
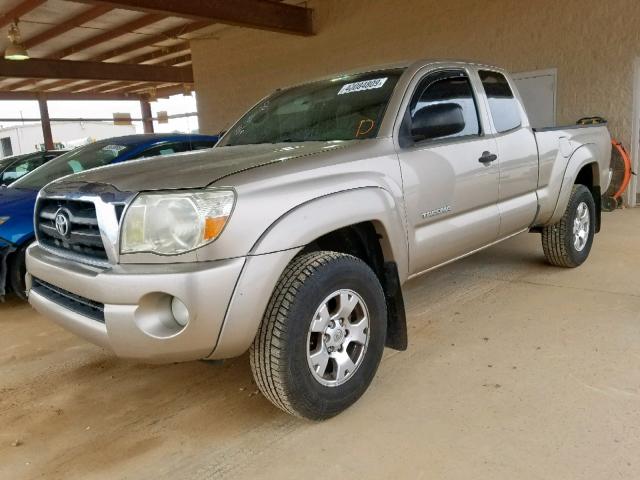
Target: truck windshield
<point x="84" y="158"/>
<point x="344" y="108"/>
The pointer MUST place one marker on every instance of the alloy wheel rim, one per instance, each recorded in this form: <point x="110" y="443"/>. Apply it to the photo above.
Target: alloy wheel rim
<point x="581" y="224"/>
<point x="338" y="338"/>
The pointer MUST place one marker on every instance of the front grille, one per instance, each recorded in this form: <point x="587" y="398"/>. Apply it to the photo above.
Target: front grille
<point x="83" y="239"/>
<point x="71" y="301"/>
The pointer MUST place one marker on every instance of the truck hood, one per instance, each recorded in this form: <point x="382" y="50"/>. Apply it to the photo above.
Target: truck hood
<point x="199" y="169"/>
<point x="17" y="204"/>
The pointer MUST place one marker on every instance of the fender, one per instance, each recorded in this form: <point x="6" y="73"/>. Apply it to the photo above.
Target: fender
<point x="584" y="155"/>
<point x="287" y="236"/>
<point x="309" y="221"/>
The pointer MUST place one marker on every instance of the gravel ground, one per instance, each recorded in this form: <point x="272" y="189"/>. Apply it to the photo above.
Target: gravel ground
<point x="515" y="370"/>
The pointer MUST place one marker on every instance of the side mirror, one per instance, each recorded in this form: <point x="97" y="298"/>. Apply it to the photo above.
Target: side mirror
<point x="435" y="121"/>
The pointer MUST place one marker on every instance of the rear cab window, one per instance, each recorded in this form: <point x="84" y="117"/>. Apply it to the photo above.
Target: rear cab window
<point x="504" y="107"/>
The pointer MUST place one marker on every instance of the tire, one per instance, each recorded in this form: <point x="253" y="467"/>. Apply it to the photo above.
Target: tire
<point x="559" y="242"/>
<point x="17" y="272"/>
<point x="282" y="355"/>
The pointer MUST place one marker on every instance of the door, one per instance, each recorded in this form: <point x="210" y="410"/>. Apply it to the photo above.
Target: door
<point x="517" y="154"/>
<point x="450" y="177"/>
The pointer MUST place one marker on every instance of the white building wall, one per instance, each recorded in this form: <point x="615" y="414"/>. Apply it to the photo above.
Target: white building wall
<point x="28" y="138"/>
<point x="591" y="43"/>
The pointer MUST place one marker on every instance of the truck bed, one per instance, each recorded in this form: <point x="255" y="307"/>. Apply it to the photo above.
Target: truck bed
<point x="557" y="147"/>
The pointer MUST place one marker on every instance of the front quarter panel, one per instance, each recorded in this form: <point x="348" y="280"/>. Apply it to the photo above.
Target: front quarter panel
<point x="302" y="225"/>
<point x="311" y="220"/>
<point x="288" y="210"/>
<point x="267" y="194"/>
<point x="19" y="228"/>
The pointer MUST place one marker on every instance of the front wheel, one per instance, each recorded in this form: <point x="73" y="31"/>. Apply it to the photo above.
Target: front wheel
<point x="568" y="242"/>
<point x="322" y="335"/>
<point x="17" y="272"/>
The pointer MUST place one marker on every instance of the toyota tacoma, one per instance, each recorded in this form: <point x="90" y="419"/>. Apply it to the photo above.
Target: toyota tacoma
<point x="293" y="237"/>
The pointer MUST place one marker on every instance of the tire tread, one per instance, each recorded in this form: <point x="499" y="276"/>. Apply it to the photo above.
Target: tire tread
<point x="554" y="237"/>
<point x="265" y="352"/>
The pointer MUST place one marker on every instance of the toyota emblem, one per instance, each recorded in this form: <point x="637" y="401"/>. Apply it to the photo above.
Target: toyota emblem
<point x="62" y="223"/>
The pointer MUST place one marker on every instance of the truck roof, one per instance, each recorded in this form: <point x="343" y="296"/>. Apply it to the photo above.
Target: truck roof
<point x="407" y="64"/>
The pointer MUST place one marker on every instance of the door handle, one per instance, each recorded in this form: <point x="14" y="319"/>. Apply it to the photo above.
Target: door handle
<point x="487" y="158"/>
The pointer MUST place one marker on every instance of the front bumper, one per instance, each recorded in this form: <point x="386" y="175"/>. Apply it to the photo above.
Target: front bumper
<point x="137" y="322"/>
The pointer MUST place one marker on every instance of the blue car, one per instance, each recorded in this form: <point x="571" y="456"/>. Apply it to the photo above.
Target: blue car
<point x="17" y="201"/>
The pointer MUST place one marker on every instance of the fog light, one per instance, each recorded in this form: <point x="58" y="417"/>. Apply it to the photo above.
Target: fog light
<point x="180" y="312"/>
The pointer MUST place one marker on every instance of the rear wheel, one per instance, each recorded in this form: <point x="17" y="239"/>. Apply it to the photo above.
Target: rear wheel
<point x="568" y="242"/>
<point x="322" y="336"/>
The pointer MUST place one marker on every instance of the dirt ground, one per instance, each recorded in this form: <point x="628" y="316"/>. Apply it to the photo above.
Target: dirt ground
<point x="515" y="370"/>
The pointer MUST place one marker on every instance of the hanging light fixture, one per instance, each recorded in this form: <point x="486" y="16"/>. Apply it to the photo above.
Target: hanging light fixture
<point x="15" y="50"/>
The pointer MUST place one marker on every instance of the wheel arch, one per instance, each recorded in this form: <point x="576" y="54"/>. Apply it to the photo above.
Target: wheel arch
<point x="366" y="241"/>
<point x="317" y="218"/>
<point x="589" y="176"/>
<point x="582" y="169"/>
<point x="368" y="216"/>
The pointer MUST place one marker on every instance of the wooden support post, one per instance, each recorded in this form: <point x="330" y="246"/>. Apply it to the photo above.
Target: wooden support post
<point x="46" y="123"/>
<point x="147" y="117"/>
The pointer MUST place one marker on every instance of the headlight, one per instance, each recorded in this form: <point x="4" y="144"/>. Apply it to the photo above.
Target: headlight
<point x="170" y="223"/>
<point x="4" y="220"/>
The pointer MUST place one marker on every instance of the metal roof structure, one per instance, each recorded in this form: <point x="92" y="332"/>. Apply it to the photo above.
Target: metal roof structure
<point x="119" y="49"/>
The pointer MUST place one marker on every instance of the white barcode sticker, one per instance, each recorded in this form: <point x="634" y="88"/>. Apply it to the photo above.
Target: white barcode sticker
<point x="361" y="86"/>
<point x="113" y="148"/>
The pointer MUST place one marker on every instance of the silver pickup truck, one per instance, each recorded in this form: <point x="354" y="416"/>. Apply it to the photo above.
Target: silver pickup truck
<point x="292" y="238"/>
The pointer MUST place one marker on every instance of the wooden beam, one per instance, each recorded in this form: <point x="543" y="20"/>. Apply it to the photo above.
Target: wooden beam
<point x="145" y="42"/>
<point x="96" y="40"/>
<point x="93" y="119"/>
<point x="162" y="52"/>
<point x="142" y="87"/>
<point x="119" y="86"/>
<point x="88" y="86"/>
<point x="66" y="96"/>
<point x="67" y="25"/>
<point x="163" y="92"/>
<point x="104" y="87"/>
<point x="259" y="14"/>
<point x="69" y="70"/>
<point x="151" y="40"/>
<point x="166" y="92"/>
<point x="18" y="11"/>
<point x="107" y="36"/>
